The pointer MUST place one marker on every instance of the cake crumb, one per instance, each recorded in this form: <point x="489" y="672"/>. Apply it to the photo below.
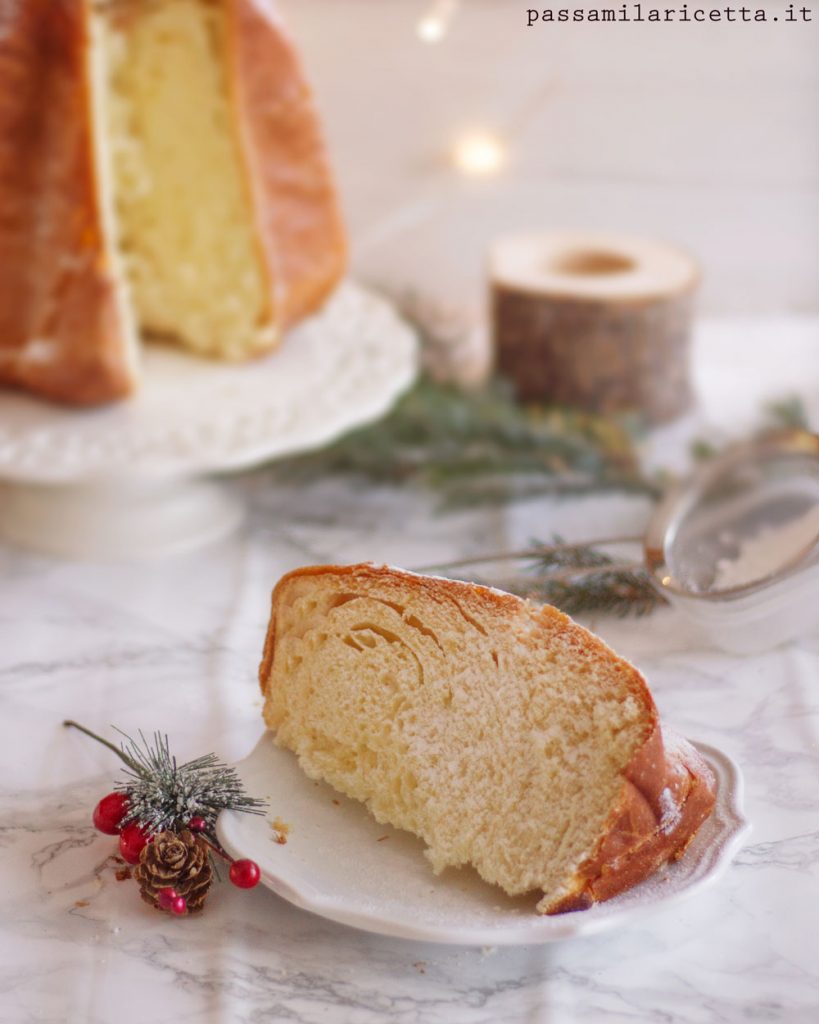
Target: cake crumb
<point x="80" y="903"/>
<point x="281" y="830"/>
<point x="337" y="803"/>
<point x="381" y="839"/>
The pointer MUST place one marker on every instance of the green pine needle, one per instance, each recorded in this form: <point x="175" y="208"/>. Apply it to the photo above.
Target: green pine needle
<point x="483" y="447"/>
<point x="789" y="413"/>
<point x="577" y="578"/>
<point x="580" y="579"/>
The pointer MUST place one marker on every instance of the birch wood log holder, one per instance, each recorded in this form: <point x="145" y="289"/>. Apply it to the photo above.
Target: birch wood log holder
<point x="597" y="321"/>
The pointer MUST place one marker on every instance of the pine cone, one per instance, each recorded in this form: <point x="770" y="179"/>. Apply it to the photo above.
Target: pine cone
<point x="175" y="861"/>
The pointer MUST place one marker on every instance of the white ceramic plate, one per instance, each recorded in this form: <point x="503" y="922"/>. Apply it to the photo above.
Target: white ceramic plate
<point x="340" y="863"/>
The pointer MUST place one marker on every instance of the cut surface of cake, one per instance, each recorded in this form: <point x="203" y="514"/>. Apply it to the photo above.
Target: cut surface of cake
<point x="162" y="175"/>
<point x="183" y="207"/>
<point x="503" y="734"/>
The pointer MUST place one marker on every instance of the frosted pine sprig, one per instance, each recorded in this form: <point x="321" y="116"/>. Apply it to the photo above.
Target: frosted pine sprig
<point x="163" y="795"/>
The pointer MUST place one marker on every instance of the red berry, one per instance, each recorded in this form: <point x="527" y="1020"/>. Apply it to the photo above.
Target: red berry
<point x="109" y="812"/>
<point x="197" y="824"/>
<point x="179" y="906"/>
<point x="165" y="898"/>
<point x="132" y="841"/>
<point x="245" y="873"/>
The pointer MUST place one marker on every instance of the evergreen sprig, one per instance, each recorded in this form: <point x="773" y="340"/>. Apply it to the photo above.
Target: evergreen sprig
<point x="483" y="446"/>
<point x="163" y="794"/>
<point x="579" y="578"/>
<point x="789" y="413"/>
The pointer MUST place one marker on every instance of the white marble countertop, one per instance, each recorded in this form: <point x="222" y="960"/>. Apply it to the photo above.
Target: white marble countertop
<point x="175" y="645"/>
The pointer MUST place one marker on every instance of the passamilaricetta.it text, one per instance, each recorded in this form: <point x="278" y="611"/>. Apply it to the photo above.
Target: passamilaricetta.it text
<point x="683" y="13"/>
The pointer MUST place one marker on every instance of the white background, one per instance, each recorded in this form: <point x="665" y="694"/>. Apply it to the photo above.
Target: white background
<point x="703" y="135"/>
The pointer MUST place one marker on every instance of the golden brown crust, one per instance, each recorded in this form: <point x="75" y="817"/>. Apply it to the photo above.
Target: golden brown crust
<point x="60" y="326"/>
<point x="298" y="216"/>
<point x="437" y="587"/>
<point x="668" y="793"/>
<point x="668" y="789"/>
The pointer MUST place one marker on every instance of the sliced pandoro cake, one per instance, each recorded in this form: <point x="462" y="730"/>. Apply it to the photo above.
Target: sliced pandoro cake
<point x="163" y="175"/>
<point x="502" y="733"/>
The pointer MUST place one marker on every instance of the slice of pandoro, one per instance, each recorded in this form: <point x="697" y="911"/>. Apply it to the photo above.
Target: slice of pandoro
<point x="503" y="734"/>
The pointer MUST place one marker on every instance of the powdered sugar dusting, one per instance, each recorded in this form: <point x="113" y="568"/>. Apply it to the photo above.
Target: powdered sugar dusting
<point x="39" y="351"/>
<point x="670" y="811"/>
<point x="9" y="17"/>
<point x="768" y="551"/>
<point x="35" y="352"/>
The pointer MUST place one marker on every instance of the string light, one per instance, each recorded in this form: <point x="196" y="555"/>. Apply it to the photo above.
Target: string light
<point x="476" y="154"/>
<point x="434" y="25"/>
<point x="431" y="29"/>
<point x="479" y="154"/>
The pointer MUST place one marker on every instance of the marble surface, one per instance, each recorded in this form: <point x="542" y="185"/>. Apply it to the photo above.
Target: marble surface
<point x="175" y="645"/>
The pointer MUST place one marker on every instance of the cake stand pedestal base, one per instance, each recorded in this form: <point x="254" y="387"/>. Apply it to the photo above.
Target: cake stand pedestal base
<point x="124" y="519"/>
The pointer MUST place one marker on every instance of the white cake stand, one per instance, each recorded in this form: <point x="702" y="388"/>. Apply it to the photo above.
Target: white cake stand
<point x="129" y="480"/>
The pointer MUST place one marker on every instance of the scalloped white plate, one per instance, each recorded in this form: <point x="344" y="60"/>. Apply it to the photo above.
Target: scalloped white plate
<point x="338" y="862"/>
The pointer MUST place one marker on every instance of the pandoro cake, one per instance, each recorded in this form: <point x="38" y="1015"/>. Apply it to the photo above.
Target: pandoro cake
<point x="162" y="176"/>
<point x="503" y="734"/>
